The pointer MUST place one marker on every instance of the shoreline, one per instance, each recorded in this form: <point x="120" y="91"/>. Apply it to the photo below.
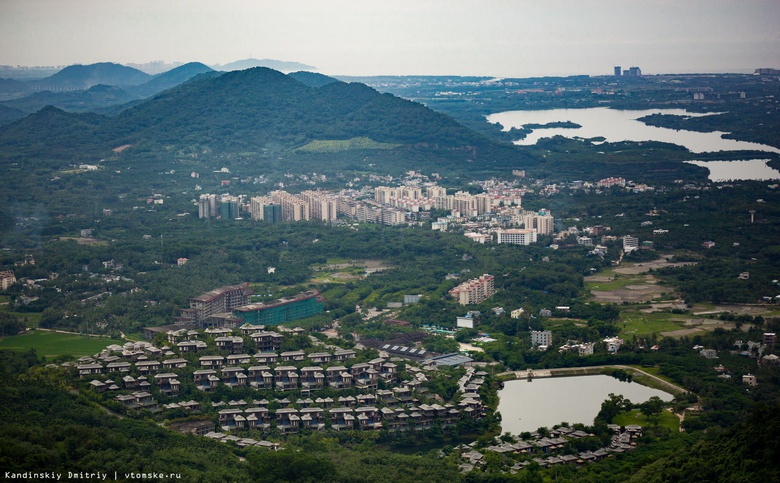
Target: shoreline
<point x="659" y="383"/>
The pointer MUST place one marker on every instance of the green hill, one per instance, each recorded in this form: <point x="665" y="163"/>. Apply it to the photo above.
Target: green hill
<point x="251" y="109"/>
<point x="257" y="110"/>
<point x="73" y="101"/>
<point x="169" y="79"/>
<point x="85" y="76"/>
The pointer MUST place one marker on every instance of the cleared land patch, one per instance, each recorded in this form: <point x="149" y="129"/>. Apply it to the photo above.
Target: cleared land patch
<point x="630" y="282"/>
<point x="84" y="240"/>
<point x="343" y="270"/>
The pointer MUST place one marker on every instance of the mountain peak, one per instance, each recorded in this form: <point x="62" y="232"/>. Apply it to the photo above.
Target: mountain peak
<point x="78" y="76"/>
<point x="280" y="65"/>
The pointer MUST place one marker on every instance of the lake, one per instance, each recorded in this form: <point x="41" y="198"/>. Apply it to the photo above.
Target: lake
<point x="527" y="406"/>
<point x="618" y="125"/>
<point x="755" y="169"/>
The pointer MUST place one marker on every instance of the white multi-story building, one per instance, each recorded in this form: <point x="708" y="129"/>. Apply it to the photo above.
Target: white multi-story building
<point x="475" y="290"/>
<point x="630" y="243"/>
<point x="207" y="206"/>
<point x="323" y="206"/>
<point x="479" y="237"/>
<point x="293" y="207"/>
<point x="541" y="337"/>
<point x="393" y="217"/>
<point x="517" y="236"/>
<point x="257" y="205"/>
<point x="542" y="221"/>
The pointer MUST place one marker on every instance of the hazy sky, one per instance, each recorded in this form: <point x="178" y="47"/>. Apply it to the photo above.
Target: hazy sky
<point x="371" y="37"/>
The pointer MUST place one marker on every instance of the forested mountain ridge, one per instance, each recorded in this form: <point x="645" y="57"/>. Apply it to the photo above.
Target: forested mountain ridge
<point x="253" y="110"/>
<point x="88" y="88"/>
<point x="258" y="106"/>
<point x="85" y="76"/>
<point x="169" y="79"/>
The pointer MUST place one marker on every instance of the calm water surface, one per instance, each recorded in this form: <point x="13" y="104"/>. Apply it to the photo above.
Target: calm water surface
<point x="756" y="169"/>
<point x="527" y="406"/>
<point x="616" y="125"/>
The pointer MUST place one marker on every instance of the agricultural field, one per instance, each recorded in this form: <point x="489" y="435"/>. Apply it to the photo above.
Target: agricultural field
<point x="53" y="344"/>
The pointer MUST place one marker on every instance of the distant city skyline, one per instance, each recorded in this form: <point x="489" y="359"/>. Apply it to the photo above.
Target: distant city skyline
<point x="501" y="38"/>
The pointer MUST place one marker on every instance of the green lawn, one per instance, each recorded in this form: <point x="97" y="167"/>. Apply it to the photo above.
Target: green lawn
<point x="642" y="324"/>
<point x="51" y="344"/>
<point x="666" y="419"/>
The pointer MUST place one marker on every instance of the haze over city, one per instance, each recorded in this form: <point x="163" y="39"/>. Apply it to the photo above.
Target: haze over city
<point x="345" y="37"/>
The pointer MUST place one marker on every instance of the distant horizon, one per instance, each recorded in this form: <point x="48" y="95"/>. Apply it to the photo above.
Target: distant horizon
<point x="175" y="63"/>
<point x="492" y="38"/>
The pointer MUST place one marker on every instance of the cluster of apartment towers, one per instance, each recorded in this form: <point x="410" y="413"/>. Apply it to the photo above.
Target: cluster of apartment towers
<point x="390" y="205"/>
<point x="630" y="72"/>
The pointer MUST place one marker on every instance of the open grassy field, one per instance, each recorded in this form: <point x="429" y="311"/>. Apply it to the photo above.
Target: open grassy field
<point x="642" y="324"/>
<point x="666" y="419"/>
<point x="51" y="344"/>
<point x="336" y="145"/>
<point x="608" y="280"/>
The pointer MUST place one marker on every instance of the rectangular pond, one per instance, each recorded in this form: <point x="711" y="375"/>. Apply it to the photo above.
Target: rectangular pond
<point x="527" y="406"/>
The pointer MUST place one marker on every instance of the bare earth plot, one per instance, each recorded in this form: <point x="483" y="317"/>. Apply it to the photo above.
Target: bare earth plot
<point x="642" y="289"/>
<point x="630" y="283"/>
<point x="343" y="271"/>
<point x="663" y="262"/>
<point x="696" y="325"/>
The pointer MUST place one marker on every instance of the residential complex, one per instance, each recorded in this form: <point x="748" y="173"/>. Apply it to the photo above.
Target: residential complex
<point x="474" y="291"/>
<point x="229" y="306"/>
<point x="137" y="377"/>
<point x="383" y="204"/>
<point x="304" y="304"/>
<point x="216" y="304"/>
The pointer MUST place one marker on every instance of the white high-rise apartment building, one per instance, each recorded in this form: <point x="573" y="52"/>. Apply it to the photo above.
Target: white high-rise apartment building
<point x="517" y="236"/>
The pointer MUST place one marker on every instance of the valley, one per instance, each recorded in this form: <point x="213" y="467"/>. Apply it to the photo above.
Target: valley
<point x="444" y="256"/>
